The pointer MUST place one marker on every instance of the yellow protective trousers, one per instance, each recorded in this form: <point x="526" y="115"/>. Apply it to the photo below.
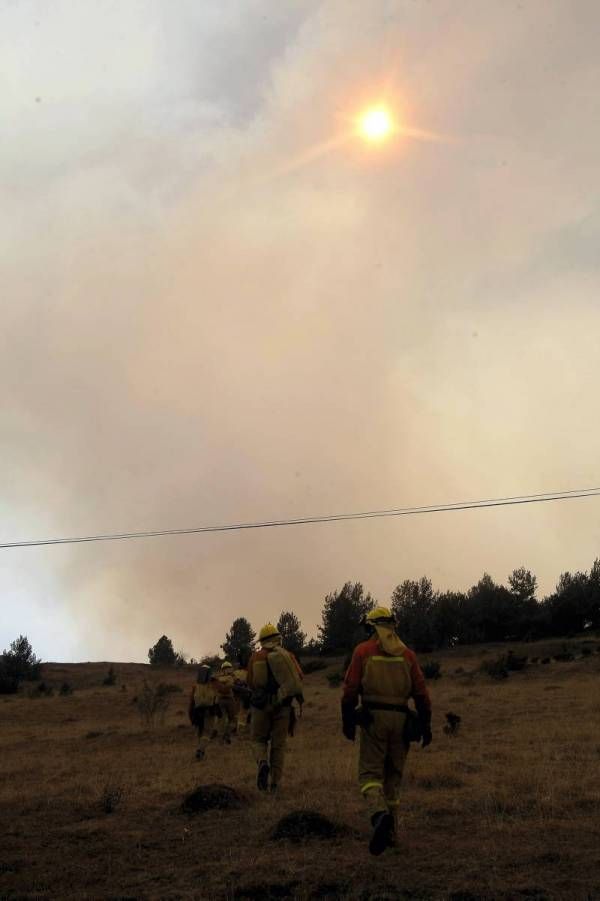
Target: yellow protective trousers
<point x="270" y="727"/>
<point x="382" y="756"/>
<point x="228" y="716"/>
<point x="205" y="725"/>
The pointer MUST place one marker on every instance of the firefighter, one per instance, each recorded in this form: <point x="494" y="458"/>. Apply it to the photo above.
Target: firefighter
<point x="383" y="674"/>
<point x="203" y="709"/>
<point x="224" y="682"/>
<point x="275" y="678"/>
<point x="241" y="694"/>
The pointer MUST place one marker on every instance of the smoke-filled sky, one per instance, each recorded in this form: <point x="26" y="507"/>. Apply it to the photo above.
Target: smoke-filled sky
<point x="206" y="320"/>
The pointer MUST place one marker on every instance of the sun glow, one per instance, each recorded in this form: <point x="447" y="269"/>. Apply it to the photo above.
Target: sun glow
<point x="376" y="124"/>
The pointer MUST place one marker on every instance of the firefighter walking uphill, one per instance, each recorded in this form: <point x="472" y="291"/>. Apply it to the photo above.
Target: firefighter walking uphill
<point x="275" y="678"/>
<point x="224" y="682"/>
<point x="382" y="676"/>
<point x="203" y="709"/>
<point x="241" y="694"/>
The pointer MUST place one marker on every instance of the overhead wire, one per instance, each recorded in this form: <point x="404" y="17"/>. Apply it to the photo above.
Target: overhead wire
<point x="309" y="520"/>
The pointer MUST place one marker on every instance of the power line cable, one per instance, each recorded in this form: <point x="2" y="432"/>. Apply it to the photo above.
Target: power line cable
<point x="308" y="520"/>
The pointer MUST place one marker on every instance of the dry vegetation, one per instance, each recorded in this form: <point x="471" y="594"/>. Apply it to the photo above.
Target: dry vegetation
<point x="90" y="797"/>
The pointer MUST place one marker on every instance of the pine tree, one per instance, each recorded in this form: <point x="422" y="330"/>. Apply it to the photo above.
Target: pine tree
<point x="20" y="659"/>
<point x="413" y="606"/>
<point x="594" y="594"/>
<point x="17" y="664"/>
<point x="491" y="611"/>
<point x="293" y="638"/>
<point x="342" y="614"/>
<point x="239" y="640"/>
<point x="163" y="653"/>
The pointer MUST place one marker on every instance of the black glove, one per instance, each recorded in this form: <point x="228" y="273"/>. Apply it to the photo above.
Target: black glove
<point x="348" y="720"/>
<point x="425" y="719"/>
<point x="363" y="717"/>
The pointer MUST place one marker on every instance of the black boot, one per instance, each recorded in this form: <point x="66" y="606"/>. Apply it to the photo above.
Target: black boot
<point x="383" y="830"/>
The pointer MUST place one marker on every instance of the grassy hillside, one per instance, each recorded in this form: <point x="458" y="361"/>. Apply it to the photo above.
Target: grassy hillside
<point x="90" y="798"/>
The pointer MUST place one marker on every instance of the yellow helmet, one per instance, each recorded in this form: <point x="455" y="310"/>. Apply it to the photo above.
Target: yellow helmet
<point x="268" y="631"/>
<point x="379" y="615"/>
<point x="226" y="665"/>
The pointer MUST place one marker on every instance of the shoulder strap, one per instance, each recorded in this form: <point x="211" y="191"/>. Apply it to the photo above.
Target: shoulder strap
<point x="272" y="683"/>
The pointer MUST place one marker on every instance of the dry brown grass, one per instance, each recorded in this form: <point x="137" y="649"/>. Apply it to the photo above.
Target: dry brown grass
<point x="90" y="799"/>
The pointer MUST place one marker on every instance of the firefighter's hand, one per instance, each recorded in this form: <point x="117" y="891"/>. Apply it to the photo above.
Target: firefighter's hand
<point x="348" y="720"/>
<point x="349" y="730"/>
<point x="425" y="720"/>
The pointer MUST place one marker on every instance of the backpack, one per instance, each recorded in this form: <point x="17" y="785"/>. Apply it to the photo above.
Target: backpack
<point x="204" y="695"/>
<point x="285" y="673"/>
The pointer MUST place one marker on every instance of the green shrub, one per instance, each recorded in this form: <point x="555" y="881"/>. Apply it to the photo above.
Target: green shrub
<point x="496" y="669"/>
<point x="9" y="684"/>
<point x="152" y="704"/>
<point x="335" y="679"/>
<point x="212" y="660"/>
<point x="111" y="677"/>
<point x="515" y="664"/>
<point x="565" y="654"/>
<point x="111" y="797"/>
<point x="313" y="666"/>
<point x="41" y="690"/>
<point x="168" y="688"/>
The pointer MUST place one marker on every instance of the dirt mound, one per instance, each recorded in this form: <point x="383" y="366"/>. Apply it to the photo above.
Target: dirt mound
<point x="300" y="825"/>
<point x="212" y="797"/>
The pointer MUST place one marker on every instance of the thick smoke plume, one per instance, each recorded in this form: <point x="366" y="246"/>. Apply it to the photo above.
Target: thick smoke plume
<point x="196" y="332"/>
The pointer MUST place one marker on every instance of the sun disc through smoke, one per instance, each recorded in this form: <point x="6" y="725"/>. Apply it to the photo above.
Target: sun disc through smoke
<point x="376" y="124"/>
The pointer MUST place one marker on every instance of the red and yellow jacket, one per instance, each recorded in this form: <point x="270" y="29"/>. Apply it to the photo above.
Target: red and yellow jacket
<point x="375" y="675"/>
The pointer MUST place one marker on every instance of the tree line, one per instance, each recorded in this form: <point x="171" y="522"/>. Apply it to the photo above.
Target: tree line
<point x="430" y="619"/>
<point x="427" y="618"/>
<point x="238" y="644"/>
<point x="491" y="612"/>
